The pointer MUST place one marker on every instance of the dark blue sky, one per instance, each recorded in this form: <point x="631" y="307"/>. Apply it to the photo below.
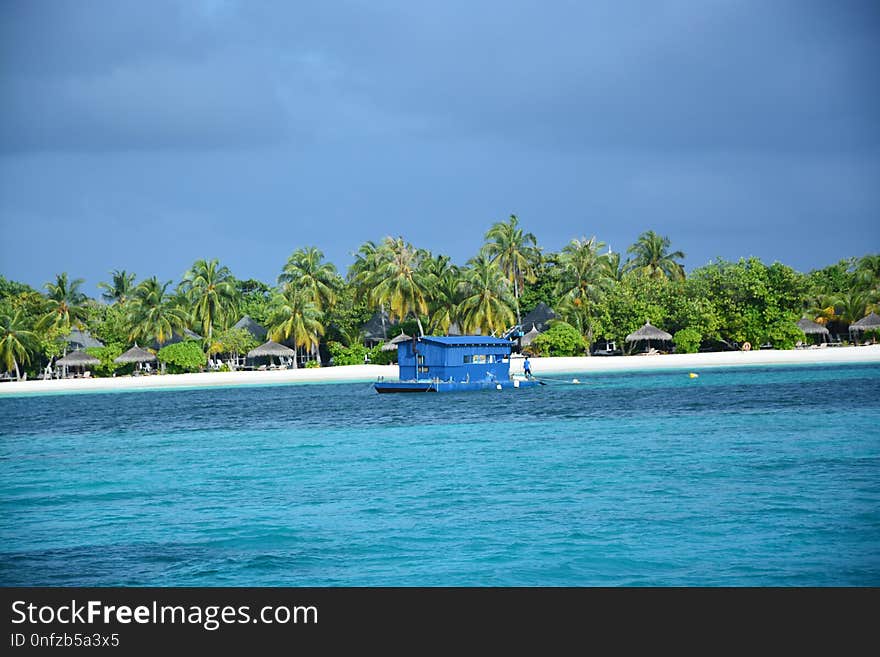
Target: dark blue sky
<point x="144" y="135"/>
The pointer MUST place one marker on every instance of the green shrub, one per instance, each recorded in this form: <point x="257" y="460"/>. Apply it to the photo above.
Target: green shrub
<point x="342" y="355"/>
<point x="561" y="339"/>
<point x="107" y="354"/>
<point x="354" y="355"/>
<point x="313" y="364"/>
<point x="183" y="357"/>
<point x="687" y="341"/>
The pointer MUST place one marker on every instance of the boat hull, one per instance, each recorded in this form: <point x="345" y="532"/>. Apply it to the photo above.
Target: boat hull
<point x="385" y="387"/>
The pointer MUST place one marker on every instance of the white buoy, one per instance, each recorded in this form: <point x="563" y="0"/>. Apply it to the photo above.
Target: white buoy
<point x="498" y="386"/>
<point x="516" y="383"/>
<point x="575" y="381"/>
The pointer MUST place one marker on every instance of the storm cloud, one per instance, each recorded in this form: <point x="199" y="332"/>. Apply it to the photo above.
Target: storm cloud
<point x="245" y="130"/>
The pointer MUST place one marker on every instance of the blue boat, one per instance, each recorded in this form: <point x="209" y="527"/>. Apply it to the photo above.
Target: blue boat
<point x="453" y="364"/>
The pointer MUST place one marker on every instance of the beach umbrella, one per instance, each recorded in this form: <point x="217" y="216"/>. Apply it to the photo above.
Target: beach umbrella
<point x="136" y="355"/>
<point x="392" y="344"/>
<point x="78" y="359"/>
<point x="526" y="340"/>
<point x="869" y="322"/>
<point x="810" y="327"/>
<point x="648" y="332"/>
<point x="271" y="348"/>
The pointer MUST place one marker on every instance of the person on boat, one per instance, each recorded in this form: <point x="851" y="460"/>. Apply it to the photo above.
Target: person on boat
<point x="527" y="368"/>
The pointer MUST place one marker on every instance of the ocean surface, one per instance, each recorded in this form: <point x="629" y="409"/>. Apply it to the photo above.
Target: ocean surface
<point x="761" y="476"/>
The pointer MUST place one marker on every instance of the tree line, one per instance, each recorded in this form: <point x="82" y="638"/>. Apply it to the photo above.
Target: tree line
<point x="598" y="295"/>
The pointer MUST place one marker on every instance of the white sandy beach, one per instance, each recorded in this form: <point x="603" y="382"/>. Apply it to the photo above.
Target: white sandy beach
<point x="540" y="366"/>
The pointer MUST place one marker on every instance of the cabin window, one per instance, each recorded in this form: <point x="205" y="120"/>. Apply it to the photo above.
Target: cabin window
<point x="420" y="359"/>
<point x="468" y="360"/>
<point x="423" y="368"/>
<point x="480" y="358"/>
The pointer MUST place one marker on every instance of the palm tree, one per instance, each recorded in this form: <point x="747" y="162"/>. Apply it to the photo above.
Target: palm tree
<point x="363" y="275"/>
<point x="211" y="292"/>
<point x="400" y="283"/>
<point x="487" y="304"/>
<point x="616" y="269"/>
<point x="295" y="315"/>
<point x="153" y="314"/>
<point x="16" y="342"/>
<point x="868" y="273"/>
<point x="65" y="305"/>
<point x="516" y="254"/>
<point x="306" y="270"/>
<point x="853" y="305"/>
<point x="585" y="274"/>
<point x="651" y="256"/>
<point x="446" y="295"/>
<point x="120" y="289"/>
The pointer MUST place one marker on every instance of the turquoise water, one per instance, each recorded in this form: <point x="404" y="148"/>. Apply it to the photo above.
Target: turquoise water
<point x="765" y="476"/>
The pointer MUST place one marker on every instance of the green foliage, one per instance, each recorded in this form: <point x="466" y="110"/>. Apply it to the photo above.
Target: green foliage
<point x="107" y="354"/>
<point x="834" y="279"/>
<point x="186" y="356"/>
<point x="312" y="364"/>
<point x="110" y="324"/>
<point x="10" y="288"/>
<point x="233" y="341"/>
<point x="561" y="339"/>
<point x="753" y="302"/>
<point x="547" y="276"/>
<point x="354" y="354"/>
<point x="628" y="305"/>
<point x="347" y="316"/>
<point x="410" y="327"/>
<point x="351" y="355"/>
<point x="687" y="341"/>
<point x="255" y="300"/>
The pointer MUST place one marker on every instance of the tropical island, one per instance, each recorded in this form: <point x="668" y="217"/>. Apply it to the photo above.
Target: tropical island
<point x="584" y="300"/>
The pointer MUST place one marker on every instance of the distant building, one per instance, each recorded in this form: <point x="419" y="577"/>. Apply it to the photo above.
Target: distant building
<point x="540" y="318"/>
<point x="376" y="329"/>
<point x="249" y="325"/>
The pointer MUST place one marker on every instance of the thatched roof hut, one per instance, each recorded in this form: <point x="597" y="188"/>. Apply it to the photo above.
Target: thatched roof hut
<point x="271" y="348"/>
<point x="78" y="359"/>
<point x="810" y="327"/>
<point x="526" y="339"/>
<point x="391" y="345"/>
<point x="79" y="339"/>
<point x="176" y="337"/>
<point x="540" y="317"/>
<point x="869" y="322"/>
<point x="136" y="355"/>
<point x="376" y="328"/>
<point x="249" y="325"/>
<point x="648" y="332"/>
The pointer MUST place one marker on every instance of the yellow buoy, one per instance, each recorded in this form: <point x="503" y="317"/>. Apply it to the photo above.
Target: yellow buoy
<point x="693" y="375"/>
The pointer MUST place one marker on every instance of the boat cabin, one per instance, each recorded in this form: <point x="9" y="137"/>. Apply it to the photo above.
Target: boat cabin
<point x="460" y="358"/>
